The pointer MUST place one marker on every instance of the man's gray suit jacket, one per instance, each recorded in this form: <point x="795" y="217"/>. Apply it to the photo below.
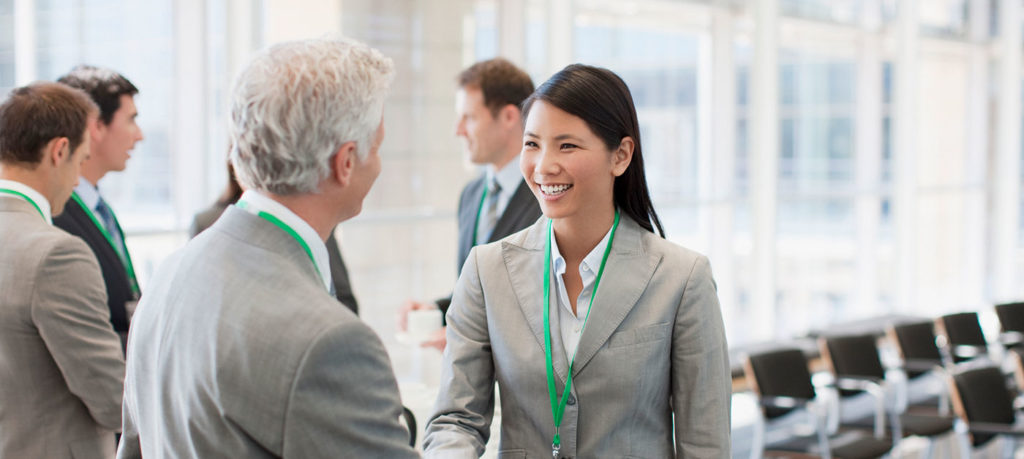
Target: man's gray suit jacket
<point x="61" y="367"/>
<point x="651" y="377"/>
<point x="238" y="350"/>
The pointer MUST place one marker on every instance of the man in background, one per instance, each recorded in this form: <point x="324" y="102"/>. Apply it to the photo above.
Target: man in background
<point x="498" y="202"/>
<point x="238" y="348"/>
<point x="88" y="215"/>
<point x="61" y="367"/>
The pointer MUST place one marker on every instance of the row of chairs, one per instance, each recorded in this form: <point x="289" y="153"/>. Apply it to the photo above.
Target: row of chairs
<point x="947" y="350"/>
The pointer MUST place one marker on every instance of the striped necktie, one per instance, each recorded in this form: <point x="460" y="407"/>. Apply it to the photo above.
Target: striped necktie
<point x="110" y="223"/>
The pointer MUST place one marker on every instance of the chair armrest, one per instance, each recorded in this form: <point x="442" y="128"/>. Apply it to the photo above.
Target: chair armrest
<point x="863" y="383"/>
<point x="773" y="401"/>
<point x="921" y="365"/>
<point x="996" y="429"/>
<point x="968" y="350"/>
<point x="1008" y="338"/>
<point x="874" y="387"/>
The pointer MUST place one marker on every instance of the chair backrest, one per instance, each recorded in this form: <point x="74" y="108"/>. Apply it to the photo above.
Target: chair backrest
<point x="779" y="373"/>
<point x="961" y="329"/>
<point x="855" y="355"/>
<point x="916" y="341"/>
<point x="981" y="395"/>
<point x="1011" y="316"/>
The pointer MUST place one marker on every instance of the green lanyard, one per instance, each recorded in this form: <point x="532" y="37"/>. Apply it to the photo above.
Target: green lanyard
<point x="479" y="210"/>
<point x="558" y="405"/>
<point x="30" y="201"/>
<point x="287" y="229"/>
<point x="126" y="259"/>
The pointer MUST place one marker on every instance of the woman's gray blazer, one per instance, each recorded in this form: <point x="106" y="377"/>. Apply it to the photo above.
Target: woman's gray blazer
<point x="651" y="377"/>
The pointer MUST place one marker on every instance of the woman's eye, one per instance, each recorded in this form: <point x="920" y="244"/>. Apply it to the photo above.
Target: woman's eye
<point x="568" y="146"/>
<point x="530" y="144"/>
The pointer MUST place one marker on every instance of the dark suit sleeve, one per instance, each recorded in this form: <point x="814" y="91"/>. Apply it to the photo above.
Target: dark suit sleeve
<point x="69" y="308"/>
<point x="344" y="401"/>
<point x="74" y="220"/>
<point x="461" y="231"/>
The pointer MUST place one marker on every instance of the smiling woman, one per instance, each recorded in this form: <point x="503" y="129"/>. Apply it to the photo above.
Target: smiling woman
<point x="651" y="369"/>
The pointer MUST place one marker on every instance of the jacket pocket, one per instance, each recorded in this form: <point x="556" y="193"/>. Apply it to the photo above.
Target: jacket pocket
<point x="512" y="454"/>
<point x="645" y="334"/>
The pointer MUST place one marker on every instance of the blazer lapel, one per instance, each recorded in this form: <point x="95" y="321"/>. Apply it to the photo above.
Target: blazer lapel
<point x="626" y="275"/>
<point x="525" y="264"/>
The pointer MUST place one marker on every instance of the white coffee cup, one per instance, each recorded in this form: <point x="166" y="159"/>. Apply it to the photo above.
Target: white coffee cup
<point x="422" y="323"/>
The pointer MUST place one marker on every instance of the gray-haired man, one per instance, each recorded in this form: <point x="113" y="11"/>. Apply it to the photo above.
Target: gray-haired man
<point x="238" y="349"/>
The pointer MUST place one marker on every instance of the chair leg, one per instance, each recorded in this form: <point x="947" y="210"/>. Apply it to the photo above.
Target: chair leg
<point x="822" y="427"/>
<point x="929" y="451"/>
<point x="757" y="444"/>
<point x="1008" y="447"/>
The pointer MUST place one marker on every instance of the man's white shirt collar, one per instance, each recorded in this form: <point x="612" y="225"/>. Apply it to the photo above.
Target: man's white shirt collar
<point x="258" y="202"/>
<point x="508" y="177"/>
<point x="89" y="194"/>
<point x="33" y="195"/>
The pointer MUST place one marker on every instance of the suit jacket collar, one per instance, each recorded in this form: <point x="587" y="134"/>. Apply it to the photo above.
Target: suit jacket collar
<point x="630" y="267"/>
<point x="258" y="232"/>
<point x="12" y="203"/>
<point x="37" y="198"/>
<point x="520" y="202"/>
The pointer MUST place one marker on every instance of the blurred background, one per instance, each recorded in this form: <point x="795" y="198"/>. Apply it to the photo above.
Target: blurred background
<point x="835" y="159"/>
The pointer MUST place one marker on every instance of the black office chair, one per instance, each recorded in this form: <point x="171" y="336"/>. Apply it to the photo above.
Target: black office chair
<point x="1011" y="323"/>
<point x="916" y="344"/>
<point x="857" y="368"/>
<point x="982" y="400"/>
<point x="962" y="336"/>
<point x="782" y="383"/>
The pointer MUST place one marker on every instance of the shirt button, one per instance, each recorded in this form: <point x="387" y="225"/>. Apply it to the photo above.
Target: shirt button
<point x="576" y="329"/>
<point x="571" y="400"/>
<point x="586" y="268"/>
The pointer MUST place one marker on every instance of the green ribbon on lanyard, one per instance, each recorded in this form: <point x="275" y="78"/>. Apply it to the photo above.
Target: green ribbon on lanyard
<point x="287" y="229"/>
<point x="558" y="404"/>
<point x="126" y="259"/>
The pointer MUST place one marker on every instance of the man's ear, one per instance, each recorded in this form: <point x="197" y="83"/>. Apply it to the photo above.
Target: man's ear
<point x="622" y="156"/>
<point x="343" y="163"/>
<point x="57" y="151"/>
<point x="509" y="114"/>
<point x="97" y="130"/>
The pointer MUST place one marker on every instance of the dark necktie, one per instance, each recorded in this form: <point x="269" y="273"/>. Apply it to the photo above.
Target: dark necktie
<point x="107" y="218"/>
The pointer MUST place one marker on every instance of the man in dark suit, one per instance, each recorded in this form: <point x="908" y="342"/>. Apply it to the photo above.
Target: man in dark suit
<point x="498" y="202"/>
<point x="88" y="215"/>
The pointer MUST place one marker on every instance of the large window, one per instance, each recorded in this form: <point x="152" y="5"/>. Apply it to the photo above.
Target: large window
<point x="6" y="45"/>
<point x="135" y="39"/>
<point x="660" y="67"/>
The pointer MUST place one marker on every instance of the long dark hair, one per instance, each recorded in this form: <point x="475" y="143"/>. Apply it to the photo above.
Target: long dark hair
<point x="602" y="100"/>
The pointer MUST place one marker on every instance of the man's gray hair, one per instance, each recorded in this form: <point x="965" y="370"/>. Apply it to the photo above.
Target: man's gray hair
<point x="296" y="103"/>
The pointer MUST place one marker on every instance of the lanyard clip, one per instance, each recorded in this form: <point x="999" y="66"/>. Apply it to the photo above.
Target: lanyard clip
<point x="555" y="447"/>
